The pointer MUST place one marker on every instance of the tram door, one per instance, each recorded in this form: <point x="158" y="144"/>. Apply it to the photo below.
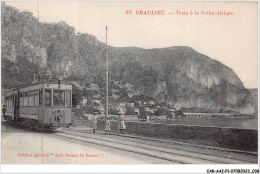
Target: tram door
<point x="16" y="105"/>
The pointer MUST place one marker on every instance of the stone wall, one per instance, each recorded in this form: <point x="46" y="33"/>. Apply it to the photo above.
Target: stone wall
<point x="241" y="139"/>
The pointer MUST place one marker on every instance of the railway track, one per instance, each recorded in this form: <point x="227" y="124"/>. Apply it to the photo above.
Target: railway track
<point x="158" y="150"/>
<point x="148" y="149"/>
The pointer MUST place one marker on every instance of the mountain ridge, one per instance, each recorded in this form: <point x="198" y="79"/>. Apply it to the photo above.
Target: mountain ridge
<point x="178" y="75"/>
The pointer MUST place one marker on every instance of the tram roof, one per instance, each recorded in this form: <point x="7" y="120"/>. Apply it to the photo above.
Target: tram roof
<point x="34" y="84"/>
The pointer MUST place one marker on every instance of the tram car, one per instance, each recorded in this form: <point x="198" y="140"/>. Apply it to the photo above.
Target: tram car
<point x="40" y="105"/>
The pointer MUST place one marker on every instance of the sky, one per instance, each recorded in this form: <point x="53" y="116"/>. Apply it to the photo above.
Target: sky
<point x="231" y="39"/>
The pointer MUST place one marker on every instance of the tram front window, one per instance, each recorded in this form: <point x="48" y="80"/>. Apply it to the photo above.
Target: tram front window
<point x="58" y="97"/>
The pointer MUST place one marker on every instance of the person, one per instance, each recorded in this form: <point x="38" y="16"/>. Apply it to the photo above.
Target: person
<point x="4" y="111"/>
<point x="172" y="114"/>
<point x="107" y="126"/>
<point x="58" y="116"/>
<point x="121" y="124"/>
<point x="147" y="117"/>
<point x="94" y="123"/>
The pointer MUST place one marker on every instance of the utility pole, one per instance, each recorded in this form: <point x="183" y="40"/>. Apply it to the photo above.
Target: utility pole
<point x="106" y="112"/>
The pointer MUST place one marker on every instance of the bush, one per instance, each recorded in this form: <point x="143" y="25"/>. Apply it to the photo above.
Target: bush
<point x="78" y="113"/>
<point x="130" y="111"/>
<point x="162" y="111"/>
<point x="179" y="113"/>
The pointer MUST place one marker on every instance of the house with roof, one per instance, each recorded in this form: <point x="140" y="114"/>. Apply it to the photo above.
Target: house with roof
<point x="150" y="102"/>
<point x="84" y="101"/>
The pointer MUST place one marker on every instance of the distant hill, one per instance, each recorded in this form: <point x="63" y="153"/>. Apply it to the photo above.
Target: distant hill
<point x="180" y="76"/>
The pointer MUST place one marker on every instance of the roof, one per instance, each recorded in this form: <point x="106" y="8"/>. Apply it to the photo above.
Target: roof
<point x="33" y="84"/>
<point x="51" y="81"/>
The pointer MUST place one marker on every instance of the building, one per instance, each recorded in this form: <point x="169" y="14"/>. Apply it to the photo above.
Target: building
<point x="137" y="111"/>
<point x="150" y="102"/>
<point x="122" y="104"/>
<point x="84" y="101"/>
<point x="139" y="103"/>
<point x="114" y="110"/>
<point x="121" y="110"/>
<point x="148" y="110"/>
<point x="96" y="102"/>
<point x="130" y="105"/>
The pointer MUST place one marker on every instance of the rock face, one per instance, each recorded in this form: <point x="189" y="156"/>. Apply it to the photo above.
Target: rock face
<point x="177" y="75"/>
<point x="188" y="77"/>
<point x="254" y="94"/>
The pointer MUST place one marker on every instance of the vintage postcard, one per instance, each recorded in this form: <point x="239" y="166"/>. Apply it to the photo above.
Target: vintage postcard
<point x="127" y="83"/>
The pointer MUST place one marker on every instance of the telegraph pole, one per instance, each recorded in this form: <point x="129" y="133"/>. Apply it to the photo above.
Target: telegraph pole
<point x="106" y="112"/>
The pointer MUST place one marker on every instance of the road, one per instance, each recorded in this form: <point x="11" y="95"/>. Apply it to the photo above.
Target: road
<point x="70" y="146"/>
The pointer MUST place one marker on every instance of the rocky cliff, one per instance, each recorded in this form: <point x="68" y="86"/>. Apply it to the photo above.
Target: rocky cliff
<point x="177" y="75"/>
